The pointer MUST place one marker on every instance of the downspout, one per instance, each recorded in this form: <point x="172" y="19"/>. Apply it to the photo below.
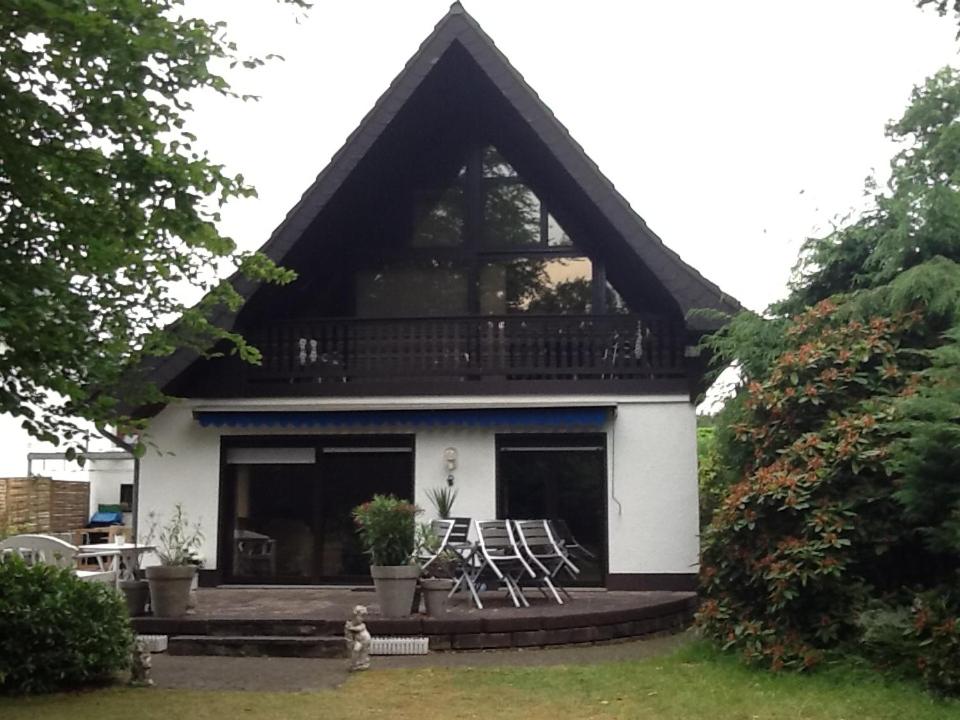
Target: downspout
<point x="613" y="464"/>
<point x="127" y="447"/>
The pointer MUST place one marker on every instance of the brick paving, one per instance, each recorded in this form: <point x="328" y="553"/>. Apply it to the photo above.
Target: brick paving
<point x="313" y="603"/>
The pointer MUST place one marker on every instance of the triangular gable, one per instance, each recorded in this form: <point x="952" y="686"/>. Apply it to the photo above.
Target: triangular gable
<point x="687" y="287"/>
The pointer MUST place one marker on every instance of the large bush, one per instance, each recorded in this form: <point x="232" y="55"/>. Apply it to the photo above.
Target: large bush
<point x="57" y="631"/>
<point x="797" y="544"/>
<point x="847" y="445"/>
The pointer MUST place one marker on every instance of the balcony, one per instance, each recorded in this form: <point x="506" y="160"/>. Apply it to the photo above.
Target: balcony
<point x="454" y="355"/>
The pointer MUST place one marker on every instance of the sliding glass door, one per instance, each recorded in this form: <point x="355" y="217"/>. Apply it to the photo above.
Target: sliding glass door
<point x="562" y="478"/>
<point x="286" y="505"/>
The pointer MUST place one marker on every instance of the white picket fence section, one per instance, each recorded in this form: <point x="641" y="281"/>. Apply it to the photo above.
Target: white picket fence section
<point x="399" y="645"/>
<point x="154" y="643"/>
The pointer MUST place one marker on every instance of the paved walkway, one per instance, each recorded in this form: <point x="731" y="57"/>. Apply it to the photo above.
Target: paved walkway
<point x="299" y="675"/>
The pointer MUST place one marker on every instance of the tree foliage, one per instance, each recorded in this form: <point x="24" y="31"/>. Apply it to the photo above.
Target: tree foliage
<point x="108" y="207"/>
<point x="841" y="449"/>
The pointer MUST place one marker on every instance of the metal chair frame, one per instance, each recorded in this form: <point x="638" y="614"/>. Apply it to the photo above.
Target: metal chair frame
<point x="458" y="542"/>
<point x="441" y="530"/>
<point x="545" y="553"/>
<point x="566" y="540"/>
<point x="498" y="550"/>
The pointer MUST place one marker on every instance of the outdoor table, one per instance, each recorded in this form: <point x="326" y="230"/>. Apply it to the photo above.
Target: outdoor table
<point x="124" y="558"/>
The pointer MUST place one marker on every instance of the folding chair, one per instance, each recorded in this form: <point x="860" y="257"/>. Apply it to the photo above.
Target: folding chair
<point x="440" y="535"/>
<point x="499" y="552"/>
<point x="545" y="554"/>
<point x="468" y="565"/>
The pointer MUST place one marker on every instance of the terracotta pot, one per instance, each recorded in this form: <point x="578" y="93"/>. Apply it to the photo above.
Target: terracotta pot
<point x="395" y="585"/>
<point x="136" y="593"/>
<point x="435" y="594"/>
<point x="170" y="589"/>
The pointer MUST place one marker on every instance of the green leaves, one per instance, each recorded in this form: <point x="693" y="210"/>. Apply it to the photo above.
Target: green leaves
<point x="56" y="631"/>
<point x="106" y="209"/>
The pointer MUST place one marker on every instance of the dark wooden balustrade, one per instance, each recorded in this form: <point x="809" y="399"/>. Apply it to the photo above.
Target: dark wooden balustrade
<point x="497" y="351"/>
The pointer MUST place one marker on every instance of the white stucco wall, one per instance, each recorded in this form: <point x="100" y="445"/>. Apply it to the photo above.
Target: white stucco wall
<point x="474" y="475"/>
<point x="652" y="471"/>
<point x="183" y="468"/>
<point x="653" y="508"/>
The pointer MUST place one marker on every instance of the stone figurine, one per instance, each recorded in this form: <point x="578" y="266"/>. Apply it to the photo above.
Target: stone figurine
<point x="358" y="639"/>
<point x="140" y="665"/>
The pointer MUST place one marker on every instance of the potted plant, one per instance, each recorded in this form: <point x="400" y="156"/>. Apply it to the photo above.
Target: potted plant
<point x="136" y="593"/>
<point x="388" y="528"/>
<point x="177" y="544"/>
<point x="442" y="499"/>
<point x="436" y="577"/>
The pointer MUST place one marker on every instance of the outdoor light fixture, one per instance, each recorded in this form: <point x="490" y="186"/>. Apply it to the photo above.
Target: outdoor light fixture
<point x="450" y="457"/>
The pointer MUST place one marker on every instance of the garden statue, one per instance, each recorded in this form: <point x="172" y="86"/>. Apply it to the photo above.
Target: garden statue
<point x="358" y="639"/>
<point x="140" y="665"/>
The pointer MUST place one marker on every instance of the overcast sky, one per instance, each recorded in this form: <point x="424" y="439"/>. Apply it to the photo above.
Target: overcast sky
<point x="736" y="129"/>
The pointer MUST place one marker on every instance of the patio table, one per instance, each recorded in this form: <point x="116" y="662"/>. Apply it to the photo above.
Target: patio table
<point x="122" y="558"/>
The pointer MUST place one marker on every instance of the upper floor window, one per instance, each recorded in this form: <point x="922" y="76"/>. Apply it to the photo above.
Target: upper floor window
<point x="484" y="244"/>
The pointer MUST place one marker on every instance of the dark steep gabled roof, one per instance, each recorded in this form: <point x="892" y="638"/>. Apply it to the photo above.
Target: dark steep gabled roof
<point x="687" y="287"/>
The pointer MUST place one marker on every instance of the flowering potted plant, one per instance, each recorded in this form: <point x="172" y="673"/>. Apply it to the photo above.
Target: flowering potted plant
<point x="177" y="545"/>
<point x="388" y="529"/>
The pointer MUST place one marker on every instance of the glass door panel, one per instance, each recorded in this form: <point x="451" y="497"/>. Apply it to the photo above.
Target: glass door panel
<point x="558" y="479"/>
<point x="288" y="510"/>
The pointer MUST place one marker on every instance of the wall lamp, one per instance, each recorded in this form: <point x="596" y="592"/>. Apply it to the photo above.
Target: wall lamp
<point x="450" y="459"/>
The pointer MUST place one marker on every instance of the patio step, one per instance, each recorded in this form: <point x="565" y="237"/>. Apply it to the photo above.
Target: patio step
<point x="327" y="646"/>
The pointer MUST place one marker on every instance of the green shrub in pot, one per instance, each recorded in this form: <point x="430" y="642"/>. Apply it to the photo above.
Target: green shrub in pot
<point x="388" y="528"/>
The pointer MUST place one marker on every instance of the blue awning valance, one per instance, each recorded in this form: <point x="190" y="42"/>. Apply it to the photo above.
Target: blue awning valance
<point x="554" y="417"/>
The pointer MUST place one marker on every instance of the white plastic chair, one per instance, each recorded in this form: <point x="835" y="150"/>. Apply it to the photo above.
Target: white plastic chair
<point x="52" y="551"/>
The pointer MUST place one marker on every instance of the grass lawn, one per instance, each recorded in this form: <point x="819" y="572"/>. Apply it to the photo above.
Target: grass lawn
<point x="690" y="684"/>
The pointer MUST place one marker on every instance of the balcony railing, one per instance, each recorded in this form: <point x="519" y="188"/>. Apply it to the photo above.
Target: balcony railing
<point x="506" y="349"/>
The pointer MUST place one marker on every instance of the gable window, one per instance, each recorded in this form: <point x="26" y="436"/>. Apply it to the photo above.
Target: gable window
<point x="413" y="288"/>
<point x="541" y="286"/>
<point x="484" y="244"/>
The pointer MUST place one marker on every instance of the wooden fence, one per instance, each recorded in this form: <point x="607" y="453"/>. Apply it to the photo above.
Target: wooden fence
<point x="39" y="504"/>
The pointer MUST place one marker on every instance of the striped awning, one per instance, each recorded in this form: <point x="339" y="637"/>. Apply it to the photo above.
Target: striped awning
<point x="552" y="417"/>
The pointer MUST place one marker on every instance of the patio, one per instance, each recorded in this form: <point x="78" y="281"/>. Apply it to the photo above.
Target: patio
<point x="308" y="621"/>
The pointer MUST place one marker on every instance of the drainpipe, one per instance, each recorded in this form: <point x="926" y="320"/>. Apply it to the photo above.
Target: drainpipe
<point x="127" y="447"/>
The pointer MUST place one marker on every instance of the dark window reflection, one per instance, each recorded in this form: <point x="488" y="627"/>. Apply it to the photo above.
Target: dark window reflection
<point x="413" y="288"/>
<point x="547" y="286"/>
<point x="494" y="164"/>
<point x="439" y="219"/>
<point x="556" y="236"/>
<point x="511" y="217"/>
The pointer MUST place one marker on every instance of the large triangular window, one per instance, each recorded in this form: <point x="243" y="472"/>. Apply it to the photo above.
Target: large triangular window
<point x="484" y="244"/>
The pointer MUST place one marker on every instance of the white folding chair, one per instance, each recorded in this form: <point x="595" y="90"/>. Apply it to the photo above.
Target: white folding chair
<point x="52" y="551"/>
<point x="545" y="554"/>
<point x="429" y="551"/>
<point x="499" y="552"/>
<point x="468" y="563"/>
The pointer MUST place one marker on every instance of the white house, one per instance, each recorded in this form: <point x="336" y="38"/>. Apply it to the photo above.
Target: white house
<point x="476" y="307"/>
